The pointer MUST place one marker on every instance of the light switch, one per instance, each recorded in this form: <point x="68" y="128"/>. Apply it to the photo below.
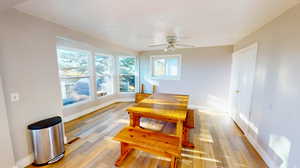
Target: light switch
<point x="14" y="97"/>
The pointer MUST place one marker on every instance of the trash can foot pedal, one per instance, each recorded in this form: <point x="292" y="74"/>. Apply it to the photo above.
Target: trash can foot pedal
<point x="57" y="158"/>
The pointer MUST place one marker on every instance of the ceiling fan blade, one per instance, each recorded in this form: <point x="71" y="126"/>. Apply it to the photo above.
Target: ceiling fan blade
<point x="158" y="45"/>
<point x="185" y="45"/>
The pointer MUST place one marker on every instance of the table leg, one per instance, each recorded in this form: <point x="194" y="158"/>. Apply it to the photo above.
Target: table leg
<point x="179" y="130"/>
<point x="173" y="162"/>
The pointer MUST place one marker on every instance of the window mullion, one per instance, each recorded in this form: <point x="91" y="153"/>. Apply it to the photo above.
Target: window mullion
<point x="117" y="73"/>
<point x="92" y="69"/>
<point x="113" y="74"/>
<point x="166" y="68"/>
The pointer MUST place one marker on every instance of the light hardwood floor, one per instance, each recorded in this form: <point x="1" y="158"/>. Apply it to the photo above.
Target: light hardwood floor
<point x="218" y="143"/>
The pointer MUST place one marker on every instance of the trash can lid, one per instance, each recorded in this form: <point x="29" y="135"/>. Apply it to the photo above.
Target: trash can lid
<point x="45" y="123"/>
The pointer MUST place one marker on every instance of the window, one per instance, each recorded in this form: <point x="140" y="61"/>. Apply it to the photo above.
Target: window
<point x="127" y="70"/>
<point x="74" y="75"/>
<point x="166" y="67"/>
<point x="104" y="75"/>
<point x="86" y="74"/>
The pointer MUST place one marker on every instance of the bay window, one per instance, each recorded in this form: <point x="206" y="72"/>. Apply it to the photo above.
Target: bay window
<point x="86" y="74"/>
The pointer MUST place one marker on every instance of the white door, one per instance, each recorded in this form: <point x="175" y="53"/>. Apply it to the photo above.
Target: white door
<point x="242" y="81"/>
<point x="234" y="88"/>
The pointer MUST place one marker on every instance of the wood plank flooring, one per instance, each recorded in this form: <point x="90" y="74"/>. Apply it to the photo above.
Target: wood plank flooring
<point x="218" y="143"/>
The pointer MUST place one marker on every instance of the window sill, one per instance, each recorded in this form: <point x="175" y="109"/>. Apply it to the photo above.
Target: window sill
<point x="127" y="93"/>
<point x="165" y="78"/>
<point x="103" y="97"/>
<point x="77" y="104"/>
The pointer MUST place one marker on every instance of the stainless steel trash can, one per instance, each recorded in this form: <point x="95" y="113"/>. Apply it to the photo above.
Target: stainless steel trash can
<point x="47" y="140"/>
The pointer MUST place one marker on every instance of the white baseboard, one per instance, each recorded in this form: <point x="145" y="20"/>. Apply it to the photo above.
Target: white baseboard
<point x="94" y="108"/>
<point x="261" y="152"/>
<point x="25" y="161"/>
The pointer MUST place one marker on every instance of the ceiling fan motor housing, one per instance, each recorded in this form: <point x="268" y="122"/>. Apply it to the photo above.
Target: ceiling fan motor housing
<point x="171" y="39"/>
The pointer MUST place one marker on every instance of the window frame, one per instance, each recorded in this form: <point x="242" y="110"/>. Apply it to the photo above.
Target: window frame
<point x="166" y="77"/>
<point x="90" y="76"/>
<point x="112" y="68"/>
<point x="136" y="74"/>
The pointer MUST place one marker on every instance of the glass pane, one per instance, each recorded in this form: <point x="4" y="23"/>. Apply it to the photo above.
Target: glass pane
<point x="104" y="85"/>
<point x="104" y="82"/>
<point x="172" y="66"/>
<point x="127" y="74"/>
<point x="159" y="67"/>
<point x="73" y="63"/>
<point x="127" y="65"/>
<point x="75" y="90"/>
<point x="127" y="83"/>
<point x="103" y="65"/>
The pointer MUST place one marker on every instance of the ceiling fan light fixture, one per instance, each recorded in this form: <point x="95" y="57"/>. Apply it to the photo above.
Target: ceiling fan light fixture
<point x="170" y="48"/>
<point x="171" y="44"/>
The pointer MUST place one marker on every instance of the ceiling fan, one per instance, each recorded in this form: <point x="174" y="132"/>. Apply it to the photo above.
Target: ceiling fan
<point x="172" y="42"/>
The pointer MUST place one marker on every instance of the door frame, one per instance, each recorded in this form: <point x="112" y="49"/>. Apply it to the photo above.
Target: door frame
<point x="233" y="90"/>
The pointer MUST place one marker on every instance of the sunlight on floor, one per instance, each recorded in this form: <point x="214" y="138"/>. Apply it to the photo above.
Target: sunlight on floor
<point x="193" y="150"/>
<point x="199" y="157"/>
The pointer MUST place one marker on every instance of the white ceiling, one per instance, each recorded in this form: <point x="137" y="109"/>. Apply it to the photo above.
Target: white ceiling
<point x="136" y="23"/>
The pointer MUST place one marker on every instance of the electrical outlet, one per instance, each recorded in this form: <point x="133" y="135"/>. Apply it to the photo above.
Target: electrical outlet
<point x="14" y="97"/>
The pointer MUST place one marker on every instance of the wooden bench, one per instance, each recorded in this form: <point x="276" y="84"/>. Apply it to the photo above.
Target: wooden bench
<point x="148" y="141"/>
<point x="187" y="125"/>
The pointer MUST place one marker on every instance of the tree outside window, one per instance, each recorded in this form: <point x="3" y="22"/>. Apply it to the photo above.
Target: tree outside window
<point x="104" y="78"/>
<point x="127" y="69"/>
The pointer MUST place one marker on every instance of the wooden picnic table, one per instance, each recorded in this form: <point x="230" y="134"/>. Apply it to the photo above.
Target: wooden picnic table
<point x="165" y="107"/>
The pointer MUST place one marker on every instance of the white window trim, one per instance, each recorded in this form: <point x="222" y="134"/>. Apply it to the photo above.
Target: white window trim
<point x="90" y="76"/>
<point x="136" y="74"/>
<point x="166" y="77"/>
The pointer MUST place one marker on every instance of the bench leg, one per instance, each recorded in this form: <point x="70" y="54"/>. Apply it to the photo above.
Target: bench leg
<point x="134" y="120"/>
<point x="185" y="138"/>
<point x="173" y="162"/>
<point x="125" y="150"/>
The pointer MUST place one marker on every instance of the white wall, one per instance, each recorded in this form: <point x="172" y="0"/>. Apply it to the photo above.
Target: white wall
<point x="275" y="106"/>
<point x="205" y="75"/>
<point x="29" y="66"/>
<point x="6" y="150"/>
